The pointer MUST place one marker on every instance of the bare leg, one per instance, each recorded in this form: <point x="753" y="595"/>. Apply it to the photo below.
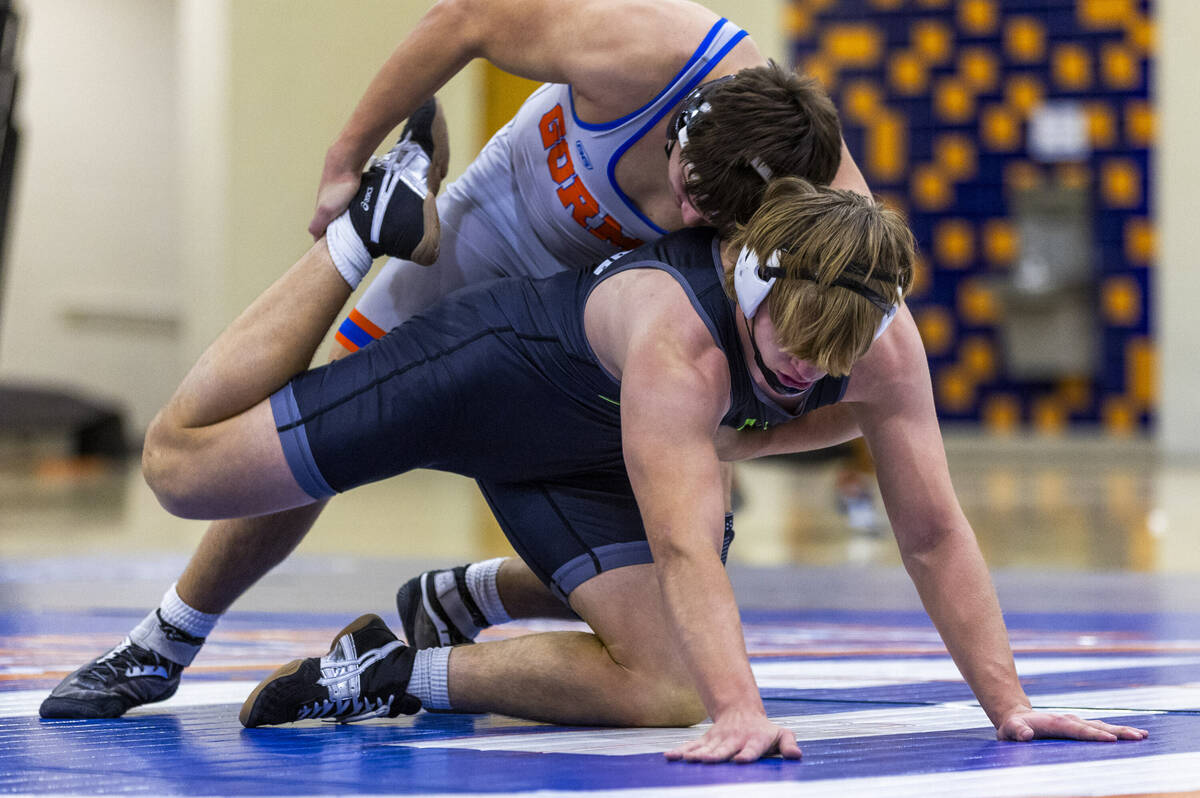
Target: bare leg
<point x="626" y="674"/>
<point x="525" y="596"/>
<point x="212" y="452"/>
<point x="269" y="343"/>
<point x="236" y="553"/>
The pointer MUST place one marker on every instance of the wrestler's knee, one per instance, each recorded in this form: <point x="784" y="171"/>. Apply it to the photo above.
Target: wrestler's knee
<point x="228" y="469"/>
<point x="164" y="456"/>
<point x="664" y="700"/>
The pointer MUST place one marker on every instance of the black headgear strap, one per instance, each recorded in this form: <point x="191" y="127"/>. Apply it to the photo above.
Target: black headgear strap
<point x="691" y="107"/>
<point x="771" y="377"/>
<point x="841" y="281"/>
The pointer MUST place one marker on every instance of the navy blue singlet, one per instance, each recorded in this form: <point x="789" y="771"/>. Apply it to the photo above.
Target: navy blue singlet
<point x="498" y="382"/>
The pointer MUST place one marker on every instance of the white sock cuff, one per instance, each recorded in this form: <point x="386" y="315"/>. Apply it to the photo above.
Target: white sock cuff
<point x="349" y="254"/>
<point x="177" y="612"/>
<point x="481" y="582"/>
<point x="150" y="634"/>
<point x="430" y="678"/>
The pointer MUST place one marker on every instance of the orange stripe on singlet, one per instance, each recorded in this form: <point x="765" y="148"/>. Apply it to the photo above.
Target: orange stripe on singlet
<point x="365" y="324"/>
<point x="361" y="322"/>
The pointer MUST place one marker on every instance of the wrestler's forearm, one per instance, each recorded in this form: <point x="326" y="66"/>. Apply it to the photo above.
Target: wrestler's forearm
<point x="952" y="579"/>
<point x="704" y="615"/>
<point x="270" y="342"/>
<point x="435" y="50"/>
<point x="820" y="429"/>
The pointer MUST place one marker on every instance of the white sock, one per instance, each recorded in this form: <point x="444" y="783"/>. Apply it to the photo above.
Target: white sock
<point x="173" y="611"/>
<point x="430" y="678"/>
<point x="349" y="254"/>
<point x="481" y="583"/>
<point x="178" y="613"/>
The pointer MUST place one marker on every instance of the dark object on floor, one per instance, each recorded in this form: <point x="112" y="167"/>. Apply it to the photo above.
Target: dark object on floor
<point x="95" y="427"/>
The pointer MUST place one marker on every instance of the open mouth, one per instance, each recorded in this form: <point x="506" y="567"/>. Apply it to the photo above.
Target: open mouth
<point x="799" y="385"/>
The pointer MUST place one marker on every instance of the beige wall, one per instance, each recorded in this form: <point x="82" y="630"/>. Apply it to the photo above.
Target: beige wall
<point x="172" y="152"/>
<point x="295" y="70"/>
<point x="762" y="19"/>
<point x="298" y="67"/>
<point x="91" y="295"/>
<point x="1177" y="173"/>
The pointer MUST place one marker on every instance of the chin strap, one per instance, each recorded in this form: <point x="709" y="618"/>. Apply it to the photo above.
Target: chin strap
<point x="770" y="376"/>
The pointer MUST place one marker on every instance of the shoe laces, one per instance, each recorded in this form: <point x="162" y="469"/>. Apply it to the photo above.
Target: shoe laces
<point x="337" y="671"/>
<point x="128" y="655"/>
<point x="391" y="160"/>
<point x="347" y="710"/>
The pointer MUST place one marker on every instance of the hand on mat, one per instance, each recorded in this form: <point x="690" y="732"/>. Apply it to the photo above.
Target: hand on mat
<point x="333" y="195"/>
<point x="743" y="738"/>
<point x="1030" y="724"/>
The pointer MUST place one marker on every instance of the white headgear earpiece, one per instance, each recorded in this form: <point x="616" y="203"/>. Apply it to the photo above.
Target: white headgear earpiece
<point x="751" y="286"/>
<point x="888" y="315"/>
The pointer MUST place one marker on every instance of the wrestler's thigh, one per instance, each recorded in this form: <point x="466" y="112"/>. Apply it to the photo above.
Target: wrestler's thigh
<point x="231" y="469"/>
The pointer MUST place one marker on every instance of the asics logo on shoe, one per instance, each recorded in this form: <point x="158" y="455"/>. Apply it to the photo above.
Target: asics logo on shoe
<point x="366" y="200"/>
<point x="157" y="671"/>
<point x="387" y="187"/>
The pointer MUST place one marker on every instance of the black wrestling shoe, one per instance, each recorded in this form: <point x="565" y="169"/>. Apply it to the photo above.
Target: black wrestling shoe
<point x="428" y="621"/>
<point x="363" y="676"/>
<point x="395" y="210"/>
<point x="108" y="686"/>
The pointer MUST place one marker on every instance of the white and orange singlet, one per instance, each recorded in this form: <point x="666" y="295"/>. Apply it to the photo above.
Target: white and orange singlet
<point x="540" y="197"/>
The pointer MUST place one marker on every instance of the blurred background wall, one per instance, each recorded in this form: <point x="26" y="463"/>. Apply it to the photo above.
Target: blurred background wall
<point x="172" y="151"/>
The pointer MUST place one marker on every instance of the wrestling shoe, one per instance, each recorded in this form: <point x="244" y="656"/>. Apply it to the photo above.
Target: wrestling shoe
<point x="432" y="617"/>
<point x="363" y="676"/>
<point x="108" y="686"/>
<point x="384" y="212"/>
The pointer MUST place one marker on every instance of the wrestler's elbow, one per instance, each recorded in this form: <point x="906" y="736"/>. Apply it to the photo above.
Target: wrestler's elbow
<point x="462" y="25"/>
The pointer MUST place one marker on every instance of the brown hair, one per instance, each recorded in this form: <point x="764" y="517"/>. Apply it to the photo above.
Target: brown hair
<point x="767" y="114"/>
<point x="823" y="234"/>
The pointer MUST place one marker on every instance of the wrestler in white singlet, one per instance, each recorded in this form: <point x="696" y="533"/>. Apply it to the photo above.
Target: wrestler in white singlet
<point x="539" y="198"/>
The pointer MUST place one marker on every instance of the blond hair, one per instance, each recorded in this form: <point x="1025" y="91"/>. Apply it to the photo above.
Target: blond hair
<point x="825" y="235"/>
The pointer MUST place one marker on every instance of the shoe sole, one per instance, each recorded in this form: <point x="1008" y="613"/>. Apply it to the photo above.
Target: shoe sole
<point x="247" y="712"/>
<point x="411" y="604"/>
<point x="426" y="251"/>
<point x="67" y="708"/>
<point x="60" y="708"/>
<point x="404" y="601"/>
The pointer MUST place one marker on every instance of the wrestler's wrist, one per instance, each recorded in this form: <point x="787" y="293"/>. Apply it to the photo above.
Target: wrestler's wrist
<point x="739" y="710"/>
<point x="735" y="701"/>
<point x="1000" y="713"/>
<point x="342" y="159"/>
